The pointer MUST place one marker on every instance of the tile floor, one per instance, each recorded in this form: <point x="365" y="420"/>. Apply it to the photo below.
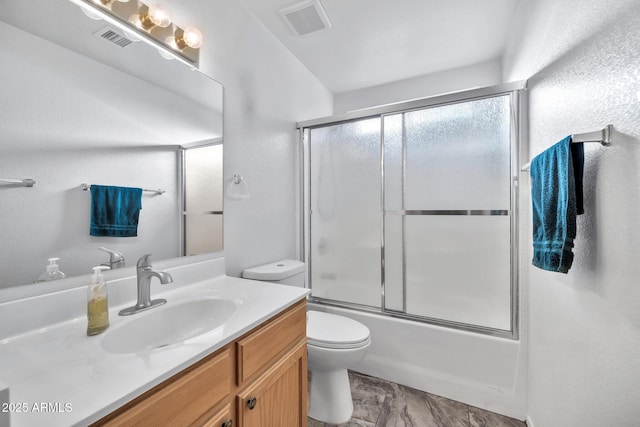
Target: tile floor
<point x="380" y="403"/>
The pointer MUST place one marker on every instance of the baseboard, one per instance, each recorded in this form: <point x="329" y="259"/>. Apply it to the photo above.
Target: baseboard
<point x="529" y="421"/>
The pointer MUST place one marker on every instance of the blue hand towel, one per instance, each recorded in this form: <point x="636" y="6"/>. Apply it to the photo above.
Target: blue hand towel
<point x="556" y="198"/>
<point x="115" y="211"/>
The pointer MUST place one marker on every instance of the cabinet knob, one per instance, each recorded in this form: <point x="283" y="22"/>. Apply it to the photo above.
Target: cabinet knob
<point x="251" y="403"/>
<point x="227" y="423"/>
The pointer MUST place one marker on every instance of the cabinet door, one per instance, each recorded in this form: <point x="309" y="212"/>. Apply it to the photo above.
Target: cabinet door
<point x="263" y="347"/>
<point x="279" y="397"/>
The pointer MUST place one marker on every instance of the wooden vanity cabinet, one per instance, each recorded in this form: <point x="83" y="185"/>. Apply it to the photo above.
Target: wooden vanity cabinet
<point x="272" y="372"/>
<point x="278" y="398"/>
<point x="259" y="380"/>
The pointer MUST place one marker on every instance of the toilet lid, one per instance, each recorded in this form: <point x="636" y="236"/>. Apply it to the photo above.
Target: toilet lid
<point x="333" y="331"/>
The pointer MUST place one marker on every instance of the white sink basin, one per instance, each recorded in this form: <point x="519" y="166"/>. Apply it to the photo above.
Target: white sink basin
<point x="168" y="324"/>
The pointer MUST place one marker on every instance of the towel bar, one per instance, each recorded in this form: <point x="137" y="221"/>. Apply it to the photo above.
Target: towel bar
<point x="603" y="136"/>
<point x="159" y="191"/>
<point x="27" y="182"/>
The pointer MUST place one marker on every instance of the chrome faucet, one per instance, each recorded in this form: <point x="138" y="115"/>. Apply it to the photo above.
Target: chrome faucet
<point x="116" y="259"/>
<point x="145" y="273"/>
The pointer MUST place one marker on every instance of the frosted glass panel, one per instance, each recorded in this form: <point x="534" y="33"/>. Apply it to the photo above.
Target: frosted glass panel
<point x="345" y="202"/>
<point x="458" y="156"/>
<point x="393" y="162"/>
<point x="445" y="206"/>
<point x="203" y="234"/>
<point x="203" y="179"/>
<point x="203" y="196"/>
<point x="458" y="269"/>
<point x="393" y="263"/>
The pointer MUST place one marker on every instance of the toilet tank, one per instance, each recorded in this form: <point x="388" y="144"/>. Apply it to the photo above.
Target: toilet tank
<point x="286" y="271"/>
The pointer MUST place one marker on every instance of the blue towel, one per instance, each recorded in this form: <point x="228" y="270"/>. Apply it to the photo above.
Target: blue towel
<point x="556" y="198"/>
<point x="115" y="211"/>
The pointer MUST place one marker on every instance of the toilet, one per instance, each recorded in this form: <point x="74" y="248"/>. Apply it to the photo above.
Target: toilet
<point x="334" y="343"/>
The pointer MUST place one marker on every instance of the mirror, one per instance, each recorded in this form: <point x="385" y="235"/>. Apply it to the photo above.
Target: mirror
<point x="77" y="108"/>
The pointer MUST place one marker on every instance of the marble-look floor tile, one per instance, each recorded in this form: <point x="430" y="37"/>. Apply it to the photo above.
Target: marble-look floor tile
<point x="368" y="394"/>
<point x="414" y="408"/>
<point x="447" y="412"/>
<point x="481" y="418"/>
<point x="381" y="403"/>
<point x="353" y="422"/>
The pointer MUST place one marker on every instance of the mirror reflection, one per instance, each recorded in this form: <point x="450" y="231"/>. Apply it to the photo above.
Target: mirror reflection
<point x="77" y="108"/>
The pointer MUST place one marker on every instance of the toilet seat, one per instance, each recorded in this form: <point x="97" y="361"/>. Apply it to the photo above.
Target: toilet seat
<point x="338" y="332"/>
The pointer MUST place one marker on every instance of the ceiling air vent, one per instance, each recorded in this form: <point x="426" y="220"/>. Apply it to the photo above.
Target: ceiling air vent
<point x="305" y="17"/>
<point x="109" y="34"/>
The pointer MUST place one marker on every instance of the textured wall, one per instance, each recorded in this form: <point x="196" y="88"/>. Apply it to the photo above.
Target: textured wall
<point x="266" y="91"/>
<point x="474" y="76"/>
<point x="582" y="59"/>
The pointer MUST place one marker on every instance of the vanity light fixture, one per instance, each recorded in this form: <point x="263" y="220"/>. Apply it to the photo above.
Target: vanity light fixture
<point x="150" y="23"/>
<point x="108" y="3"/>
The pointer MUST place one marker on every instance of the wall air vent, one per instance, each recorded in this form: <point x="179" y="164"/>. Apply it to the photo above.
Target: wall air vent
<point x="113" y="36"/>
<point x="305" y="17"/>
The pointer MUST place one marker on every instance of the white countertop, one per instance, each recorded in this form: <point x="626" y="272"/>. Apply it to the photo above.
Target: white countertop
<point x="78" y="382"/>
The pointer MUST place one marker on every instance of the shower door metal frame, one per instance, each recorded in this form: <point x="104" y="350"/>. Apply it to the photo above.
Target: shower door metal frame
<point x="515" y="91"/>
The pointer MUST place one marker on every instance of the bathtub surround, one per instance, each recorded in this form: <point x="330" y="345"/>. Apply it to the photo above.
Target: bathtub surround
<point x="479" y="370"/>
<point x="582" y="60"/>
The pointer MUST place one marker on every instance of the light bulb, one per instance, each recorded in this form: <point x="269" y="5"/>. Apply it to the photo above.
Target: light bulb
<point x="189" y="37"/>
<point x="192" y="37"/>
<point x="151" y="17"/>
<point x="159" y="16"/>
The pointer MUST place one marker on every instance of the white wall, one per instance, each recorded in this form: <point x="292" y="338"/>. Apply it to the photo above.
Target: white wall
<point x="582" y="59"/>
<point x="484" y="74"/>
<point x="266" y="91"/>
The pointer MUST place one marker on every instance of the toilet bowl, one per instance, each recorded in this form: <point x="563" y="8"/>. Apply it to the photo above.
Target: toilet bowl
<point x="334" y="343"/>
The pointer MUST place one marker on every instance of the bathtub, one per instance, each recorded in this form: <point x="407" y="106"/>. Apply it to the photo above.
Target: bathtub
<point x="479" y="370"/>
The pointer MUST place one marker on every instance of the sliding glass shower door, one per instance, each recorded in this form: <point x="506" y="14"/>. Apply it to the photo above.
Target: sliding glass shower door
<point x="411" y="213"/>
<point x="345" y="214"/>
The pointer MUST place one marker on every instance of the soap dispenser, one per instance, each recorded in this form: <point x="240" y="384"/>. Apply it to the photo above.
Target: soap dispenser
<point x="53" y="271"/>
<point x="97" y="303"/>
